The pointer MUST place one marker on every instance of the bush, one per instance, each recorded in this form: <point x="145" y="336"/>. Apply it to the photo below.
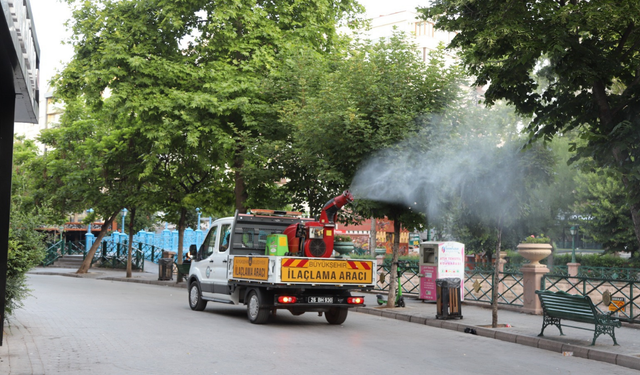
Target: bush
<point x="540" y="239"/>
<point x="413" y="260"/>
<point x="342" y="238"/>
<point x="597" y="260"/>
<point x="26" y="250"/>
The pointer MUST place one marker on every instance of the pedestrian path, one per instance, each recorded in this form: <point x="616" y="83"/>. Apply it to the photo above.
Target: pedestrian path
<point x="514" y="326"/>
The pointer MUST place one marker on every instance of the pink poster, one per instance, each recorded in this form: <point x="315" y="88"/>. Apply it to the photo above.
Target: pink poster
<point x="428" y="282"/>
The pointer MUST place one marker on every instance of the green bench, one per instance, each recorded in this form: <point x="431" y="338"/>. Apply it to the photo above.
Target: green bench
<point x="561" y="305"/>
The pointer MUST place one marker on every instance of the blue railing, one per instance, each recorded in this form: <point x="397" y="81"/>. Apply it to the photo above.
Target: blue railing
<point x="114" y="255"/>
<point x="152" y="244"/>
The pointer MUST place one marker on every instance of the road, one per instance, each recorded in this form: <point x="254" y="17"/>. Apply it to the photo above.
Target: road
<point x="81" y="326"/>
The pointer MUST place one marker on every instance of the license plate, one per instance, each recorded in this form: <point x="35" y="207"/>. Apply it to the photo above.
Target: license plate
<point x="320" y="299"/>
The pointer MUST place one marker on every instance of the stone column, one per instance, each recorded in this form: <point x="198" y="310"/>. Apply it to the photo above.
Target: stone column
<point x="532" y="274"/>
<point x="573" y="268"/>
<point x="532" y="277"/>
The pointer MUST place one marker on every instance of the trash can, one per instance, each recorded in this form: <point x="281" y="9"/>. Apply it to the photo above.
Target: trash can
<point x="165" y="269"/>
<point x="448" y="299"/>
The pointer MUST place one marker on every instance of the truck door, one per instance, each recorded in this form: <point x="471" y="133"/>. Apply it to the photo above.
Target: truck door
<point x="220" y="259"/>
<point x="205" y="261"/>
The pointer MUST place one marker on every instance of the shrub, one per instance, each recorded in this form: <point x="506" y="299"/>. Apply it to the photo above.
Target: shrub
<point x="539" y="239"/>
<point x="597" y="260"/>
<point x="342" y="238"/>
<point x="26" y="250"/>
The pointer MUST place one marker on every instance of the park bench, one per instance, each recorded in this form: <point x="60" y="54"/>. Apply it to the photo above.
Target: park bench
<point x="561" y="305"/>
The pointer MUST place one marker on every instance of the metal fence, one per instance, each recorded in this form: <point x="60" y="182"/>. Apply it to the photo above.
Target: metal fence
<point x="408" y="276"/>
<point x="114" y="255"/>
<point x="613" y="273"/>
<point x="61" y="248"/>
<point x="479" y="282"/>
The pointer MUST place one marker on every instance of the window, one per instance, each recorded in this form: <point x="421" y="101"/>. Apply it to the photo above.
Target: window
<point x="226" y="230"/>
<point x="209" y="243"/>
<point x="256" y="238"/>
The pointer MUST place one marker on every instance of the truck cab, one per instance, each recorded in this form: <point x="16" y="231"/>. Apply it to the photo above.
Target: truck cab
<point x="210" y="264"/>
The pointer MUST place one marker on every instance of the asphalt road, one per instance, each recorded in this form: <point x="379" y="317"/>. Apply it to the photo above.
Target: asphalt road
<point x="87" y="326"/>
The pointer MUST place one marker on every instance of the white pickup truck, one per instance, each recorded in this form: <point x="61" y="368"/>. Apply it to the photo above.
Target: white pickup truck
<point x="232" y="266"/>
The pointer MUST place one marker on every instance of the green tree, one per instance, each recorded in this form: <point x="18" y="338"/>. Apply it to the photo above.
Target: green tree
<point x="601" y="202"/>
<point x="93" y="162"/>
<point x="133" y="73"/>
<point x="26" y="244"/>
<point x="343" y="108"/>
<point x="240" y="42"/>
<point x="572" y="64"/>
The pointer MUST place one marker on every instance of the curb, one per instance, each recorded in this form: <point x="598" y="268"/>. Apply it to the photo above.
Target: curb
<point x="536" y="342"/>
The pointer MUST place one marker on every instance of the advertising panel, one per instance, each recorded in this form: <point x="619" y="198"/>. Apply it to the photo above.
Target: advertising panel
<point x="440" y="260"/>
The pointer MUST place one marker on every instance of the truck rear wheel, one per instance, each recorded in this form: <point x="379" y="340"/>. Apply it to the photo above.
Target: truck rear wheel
<point x="195" y="297"/>
<point x="336" y="315"/>
<point x="256" y="313"/>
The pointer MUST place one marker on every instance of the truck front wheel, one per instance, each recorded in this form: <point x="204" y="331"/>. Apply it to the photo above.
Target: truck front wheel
<point x="195" y="297"/>
<point x="256" y="313"/>
<point x="336" y="315"/>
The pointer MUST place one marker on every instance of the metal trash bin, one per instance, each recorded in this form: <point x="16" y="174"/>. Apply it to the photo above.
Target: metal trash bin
<point x="448" y="299"/>
<point x="165" y="269"/>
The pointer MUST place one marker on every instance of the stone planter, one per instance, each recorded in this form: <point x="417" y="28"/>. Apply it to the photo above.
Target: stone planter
<point x="343" y="248"/>
<point x="534" y="253"/>
<point x="380" y="251"/>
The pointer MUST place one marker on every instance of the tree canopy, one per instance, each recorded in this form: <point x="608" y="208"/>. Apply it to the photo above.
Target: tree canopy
<point x="571" y="64"/>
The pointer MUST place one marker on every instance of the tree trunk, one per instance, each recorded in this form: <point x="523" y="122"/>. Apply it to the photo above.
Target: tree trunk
<point x="181" y="225"/>
<point x="393" y="284"/>
<point x="132" y="216"/>
<point x="496" y="279"/>
<point x="240" y="188"/>
<point x="86" y="264"/>
<point x="373" y="243"/>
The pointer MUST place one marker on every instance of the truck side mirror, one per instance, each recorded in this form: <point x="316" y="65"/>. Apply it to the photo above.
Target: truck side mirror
<point x="193" y="251"/>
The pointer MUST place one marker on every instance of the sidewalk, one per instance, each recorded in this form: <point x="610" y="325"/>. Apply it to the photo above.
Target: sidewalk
<point x="515" y="327"/>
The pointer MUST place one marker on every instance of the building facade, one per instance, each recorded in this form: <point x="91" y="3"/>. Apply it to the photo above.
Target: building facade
<point x="19" y="90"/>
<point x="426" y="36"/>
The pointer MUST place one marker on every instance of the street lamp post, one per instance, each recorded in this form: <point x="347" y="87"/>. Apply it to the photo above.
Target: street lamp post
<point x="124" y="214"/>
<point x="89" y="236"/>
<point x="573" y="243"/>
<point x="89" y="212"/>
<point x="199" y="213"/>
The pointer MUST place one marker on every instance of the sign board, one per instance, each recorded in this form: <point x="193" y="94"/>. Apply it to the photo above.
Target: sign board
<point x="414" y="239"/>
<point x="251" y="268"/>
<point x="616" y="303"/>
<point x="318" y="271"/>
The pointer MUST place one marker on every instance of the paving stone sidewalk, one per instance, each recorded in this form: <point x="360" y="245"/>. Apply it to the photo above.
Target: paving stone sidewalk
<point x="515" y="327"/>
